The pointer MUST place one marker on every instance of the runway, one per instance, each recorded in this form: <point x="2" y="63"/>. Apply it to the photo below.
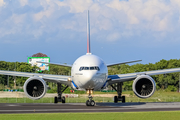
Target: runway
<point x="81" y="107"/>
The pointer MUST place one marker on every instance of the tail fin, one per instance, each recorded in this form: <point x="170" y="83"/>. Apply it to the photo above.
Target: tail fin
<point x="88" y="33"/>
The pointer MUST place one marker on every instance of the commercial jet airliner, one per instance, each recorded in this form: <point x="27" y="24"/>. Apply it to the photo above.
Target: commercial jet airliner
<point x="90" y="73"/>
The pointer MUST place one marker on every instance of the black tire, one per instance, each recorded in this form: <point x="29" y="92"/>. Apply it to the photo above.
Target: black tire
<point x="123" y="99"/>
<point x="115" y="99"/>
<point x="55" y="100"/>
<point x="92" y="103"/>
<point x="63" y="99"/>
<point x="87" y="103"/>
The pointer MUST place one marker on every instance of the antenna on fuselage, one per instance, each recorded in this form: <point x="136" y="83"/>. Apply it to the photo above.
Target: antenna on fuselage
<point x="88" y="33"/>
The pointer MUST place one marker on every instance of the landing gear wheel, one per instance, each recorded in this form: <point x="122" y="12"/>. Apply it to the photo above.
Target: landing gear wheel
<point x="63" y="99"/>
<point x="60" y="90"/>
<point x="92" y="103"/>
<point x="115" y="99"/>
<point x="55" y="100"/>
<point x="123" y="99"/>
<point x="87" y="103"/>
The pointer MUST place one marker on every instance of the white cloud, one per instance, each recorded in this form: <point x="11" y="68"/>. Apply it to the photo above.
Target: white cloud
<point x="77" y="6"/>
<point x="111" y="20"/>
<point x="113" y="36"/>
<point x="23" y="2"/>
<point x="2" y="2"/>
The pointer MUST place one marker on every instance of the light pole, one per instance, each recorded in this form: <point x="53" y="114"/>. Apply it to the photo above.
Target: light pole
<point x="8" y="79"/>
<point x="15" y="76"/>
<point x="179" y="82"/>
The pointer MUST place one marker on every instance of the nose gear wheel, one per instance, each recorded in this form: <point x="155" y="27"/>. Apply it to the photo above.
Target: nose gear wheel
<point x="90" y="102"/>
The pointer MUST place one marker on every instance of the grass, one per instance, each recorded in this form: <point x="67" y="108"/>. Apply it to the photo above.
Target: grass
<point x="159" y="96"/>
<point x="51" y="100"/>
<point x="168" y="115"/>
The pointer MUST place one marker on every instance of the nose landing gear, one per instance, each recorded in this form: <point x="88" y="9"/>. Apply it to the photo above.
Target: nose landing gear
<point x="90" y="102"/>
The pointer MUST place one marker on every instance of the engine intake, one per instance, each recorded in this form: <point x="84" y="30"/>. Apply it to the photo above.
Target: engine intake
<point x="35" y="88"/>
<point x="144" y="86"/>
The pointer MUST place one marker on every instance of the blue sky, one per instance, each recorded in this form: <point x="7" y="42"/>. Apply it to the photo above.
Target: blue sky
<point x="120" y="30"/>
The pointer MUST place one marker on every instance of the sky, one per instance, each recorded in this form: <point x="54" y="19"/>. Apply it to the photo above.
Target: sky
<point x="120" y="30"/>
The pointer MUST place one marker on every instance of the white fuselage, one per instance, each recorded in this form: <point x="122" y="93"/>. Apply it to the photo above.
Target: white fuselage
<point x="89" y="72"/>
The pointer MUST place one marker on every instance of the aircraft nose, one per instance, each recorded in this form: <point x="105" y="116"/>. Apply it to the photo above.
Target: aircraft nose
<point x="87" y="80"/>
<point x="89" y="76"/>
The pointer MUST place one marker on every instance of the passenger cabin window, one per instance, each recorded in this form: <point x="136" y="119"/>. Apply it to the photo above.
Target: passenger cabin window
<point x="89" y="68"/>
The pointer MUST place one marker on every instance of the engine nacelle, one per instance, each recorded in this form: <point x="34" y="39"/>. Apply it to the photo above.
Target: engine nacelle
<point x="35" y="88"/>
<point x="144" y="86"/>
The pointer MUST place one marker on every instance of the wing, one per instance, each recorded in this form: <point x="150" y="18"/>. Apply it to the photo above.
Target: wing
<point x="54" y="64"/>
<point x="108" y="65"/>
<point x="131" y="76"/>
<point x="47" y="77"/>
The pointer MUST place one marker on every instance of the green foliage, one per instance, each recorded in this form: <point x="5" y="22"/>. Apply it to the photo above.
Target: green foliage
<point x="131" y="94"/>
<point x="171" y="88"/>
<point x="127" y="85"/>
<point x="162" y="81"/>
<point x="79" y="92"/>
<point x="157" y="87"/>
<point x="52" y="91"/>
<point x="1" y="87"/>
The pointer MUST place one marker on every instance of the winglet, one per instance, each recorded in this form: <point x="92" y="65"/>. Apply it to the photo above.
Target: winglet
<point x="88" y="33"/>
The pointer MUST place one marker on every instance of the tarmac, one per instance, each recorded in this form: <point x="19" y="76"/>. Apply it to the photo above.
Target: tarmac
<point x="9" y="108"/>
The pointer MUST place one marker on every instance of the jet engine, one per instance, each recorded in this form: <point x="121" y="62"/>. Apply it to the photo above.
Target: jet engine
<point x="144" y="86"/>
<point x="35" y="88"/>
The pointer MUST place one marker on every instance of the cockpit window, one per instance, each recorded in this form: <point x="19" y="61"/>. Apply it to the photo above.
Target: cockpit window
<point x="89" y="68"/>
<point x="92" y="68"/>
<point x="97" y="68"/>
<point x="86" y="68"/>
<point x="81" y="68"/>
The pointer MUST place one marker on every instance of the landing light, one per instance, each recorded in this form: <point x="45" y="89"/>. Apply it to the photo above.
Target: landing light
<point x="69" y="79"/>
<point x="89" y="91"/>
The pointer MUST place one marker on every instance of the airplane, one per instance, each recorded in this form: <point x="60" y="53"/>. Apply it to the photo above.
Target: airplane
<point x="89" y="72"/>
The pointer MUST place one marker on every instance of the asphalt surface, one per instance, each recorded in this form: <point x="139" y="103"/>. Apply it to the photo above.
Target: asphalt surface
<point x="81" y="107"/>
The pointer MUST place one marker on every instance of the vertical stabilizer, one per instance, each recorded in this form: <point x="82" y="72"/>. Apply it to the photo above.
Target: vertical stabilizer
<point x="88" y="33"/>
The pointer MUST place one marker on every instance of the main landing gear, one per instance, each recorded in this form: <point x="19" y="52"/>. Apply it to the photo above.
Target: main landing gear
<point x="90" y="102"/>
<point x="60" y="90"/>
<point x="119" y="92"/>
